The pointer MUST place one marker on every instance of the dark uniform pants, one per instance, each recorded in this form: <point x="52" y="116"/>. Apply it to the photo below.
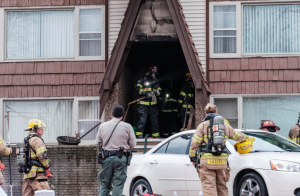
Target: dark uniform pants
<point x="170" y="123"/>
<point x="114" y="171"/>
<point x="182" y="117"/>
<point x="144" y="112"/>
<point x="214" y="181"/>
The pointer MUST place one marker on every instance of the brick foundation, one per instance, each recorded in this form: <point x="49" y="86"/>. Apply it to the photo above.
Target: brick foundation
<point x="74" y="169"/>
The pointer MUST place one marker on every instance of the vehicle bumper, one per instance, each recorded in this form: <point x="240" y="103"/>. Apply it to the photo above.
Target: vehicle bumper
<point x="280" y="183"/>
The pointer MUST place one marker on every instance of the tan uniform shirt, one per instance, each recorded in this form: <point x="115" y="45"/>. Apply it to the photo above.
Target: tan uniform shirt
<point x="123" y="135"/>
<point x="3" y="149"/>
<point x="201" y="136"/>
<point x="294" y="134"/>
<point x="40" y="154"/>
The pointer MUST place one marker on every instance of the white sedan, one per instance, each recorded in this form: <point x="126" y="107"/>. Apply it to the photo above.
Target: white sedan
<point x="272" y="168"/>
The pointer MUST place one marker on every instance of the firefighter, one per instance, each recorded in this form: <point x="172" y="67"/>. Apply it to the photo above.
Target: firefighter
<point x="269" y="126"/>
<point x="6" y="152"/>
<point x="36" y="178"/>
<point x="214" y="170"/>
<point x="169" y="109"/>
<point x="115" y="139"/>
<point x="148" y="87"/>
<point x="294" y="134"/>
<point x="186" y="100"/>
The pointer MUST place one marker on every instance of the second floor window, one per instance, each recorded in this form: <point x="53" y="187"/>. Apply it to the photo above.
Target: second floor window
<point x="39" y="34"/>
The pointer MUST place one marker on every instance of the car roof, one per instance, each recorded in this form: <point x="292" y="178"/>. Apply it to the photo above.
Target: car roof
<point x="242" y="130"/>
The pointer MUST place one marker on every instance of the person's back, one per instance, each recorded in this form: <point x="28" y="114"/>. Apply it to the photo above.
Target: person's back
<point x="294" y="134"/>
<point x="118" y="139"/>
<point x="115" y="138"/>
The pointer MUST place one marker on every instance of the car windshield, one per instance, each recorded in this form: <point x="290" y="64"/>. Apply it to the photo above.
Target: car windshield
<point x="265" y="142"/>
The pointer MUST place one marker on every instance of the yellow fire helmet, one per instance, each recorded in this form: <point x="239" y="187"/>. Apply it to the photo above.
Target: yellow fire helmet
<point x="35" y="123"/>
<point x="245" y="146"/>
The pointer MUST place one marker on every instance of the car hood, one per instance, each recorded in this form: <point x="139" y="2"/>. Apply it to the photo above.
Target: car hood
<point x="284" y="156"/>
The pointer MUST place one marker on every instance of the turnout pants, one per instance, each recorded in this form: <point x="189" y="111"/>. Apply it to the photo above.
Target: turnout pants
<point x="214" y="181"/>
<point x="113" y="172"/>
<point x="1" y="179"/>
<point x="182" y="117"/>
<point x="30" y="185"/>
<point x="146" y="111"/>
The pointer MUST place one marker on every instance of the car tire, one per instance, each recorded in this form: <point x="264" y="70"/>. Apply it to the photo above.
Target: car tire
<point x="251" y="183"/>
<point x="144" y="185"/>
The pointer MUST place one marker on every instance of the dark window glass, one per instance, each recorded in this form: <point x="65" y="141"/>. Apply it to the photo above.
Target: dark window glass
<point x="179" y="145"/>
<point x="162" y="149"/>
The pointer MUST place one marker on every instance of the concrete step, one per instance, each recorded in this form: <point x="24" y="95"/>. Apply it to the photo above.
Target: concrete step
<point x="150" y="144"/>
<point x="149" y="141"/>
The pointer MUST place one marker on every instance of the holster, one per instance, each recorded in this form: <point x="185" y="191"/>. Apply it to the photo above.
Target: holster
<point x="128" y="156"/>
<point x="100" y="156"/>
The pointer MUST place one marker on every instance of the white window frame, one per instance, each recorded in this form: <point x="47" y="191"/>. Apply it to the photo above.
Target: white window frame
<point x="75" y="112"/>
<point x="76" y="57"/>
<point x="240" y="101"/>
<point x="238" y="30"/>
<point x="239" y="20"/>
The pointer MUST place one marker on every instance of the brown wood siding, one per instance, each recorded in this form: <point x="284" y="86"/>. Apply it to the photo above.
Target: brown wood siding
<point x="26" y="3"/>
<point x="51" y="79"/>
<point x="255" y="75"/>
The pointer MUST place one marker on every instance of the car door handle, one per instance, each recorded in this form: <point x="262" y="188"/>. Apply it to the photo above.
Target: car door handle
<point x="189" y="164"/>
<point x="154" y="162"/>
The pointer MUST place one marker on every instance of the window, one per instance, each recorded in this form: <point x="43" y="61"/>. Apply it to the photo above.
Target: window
<point x="73" y="34"/>
<point x="240" y="29"/>
<point x="90" y="32"/>
<point x="269" y="142"/>
<point x="248" y="111"/>
<point x="35" y="34"/>
<point x="228" y="108"/>
<point x="179" y="145"/>
<point x="284" y="111"/>
<point x="224" y="29"/>
<point x="162" y="149"/>
<point x="88" y="118"/>
<point x="271" y="29"/>
<point x="56" y="114"/>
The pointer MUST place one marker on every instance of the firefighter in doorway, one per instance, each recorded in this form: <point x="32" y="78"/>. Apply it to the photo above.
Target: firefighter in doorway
<point x="148" y="87"/>
<point x="214" y="170"/>
<point x="169" y="109"/>
<point x="186" y="100"/>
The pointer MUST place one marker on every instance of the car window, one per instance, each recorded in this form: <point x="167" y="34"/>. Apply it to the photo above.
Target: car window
<point x="162" y="149"/>
<point x="265" y="142"/>
<point x="179" y="145"/>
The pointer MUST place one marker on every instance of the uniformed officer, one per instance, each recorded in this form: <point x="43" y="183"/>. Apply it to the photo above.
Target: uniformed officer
<point x="214" y="171"/>
<point x="115" y="137"/>
<point x="36" y="178"/>
<point x="186" y="100"/>
<point x="148" y="87"/>
<point x="6" y="152"/>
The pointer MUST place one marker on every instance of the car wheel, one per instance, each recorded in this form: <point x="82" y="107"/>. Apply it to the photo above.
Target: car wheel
<point x="141" y="186"/>
<point x="251" y="184"/>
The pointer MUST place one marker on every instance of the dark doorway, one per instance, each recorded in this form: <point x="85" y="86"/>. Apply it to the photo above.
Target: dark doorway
<point x="169" y="58"/>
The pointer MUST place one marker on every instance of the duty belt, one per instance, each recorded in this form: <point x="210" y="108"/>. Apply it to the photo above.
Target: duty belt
<point x="115" y="153"/>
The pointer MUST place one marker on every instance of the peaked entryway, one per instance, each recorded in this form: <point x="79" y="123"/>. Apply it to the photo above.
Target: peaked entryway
<point x="123" y="45"/>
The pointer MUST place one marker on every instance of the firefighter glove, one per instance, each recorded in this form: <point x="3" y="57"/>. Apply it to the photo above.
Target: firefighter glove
<point x="193" y="159"/>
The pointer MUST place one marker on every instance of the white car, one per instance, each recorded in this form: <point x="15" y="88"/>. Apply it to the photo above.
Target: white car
<point x="272" y="168"/>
